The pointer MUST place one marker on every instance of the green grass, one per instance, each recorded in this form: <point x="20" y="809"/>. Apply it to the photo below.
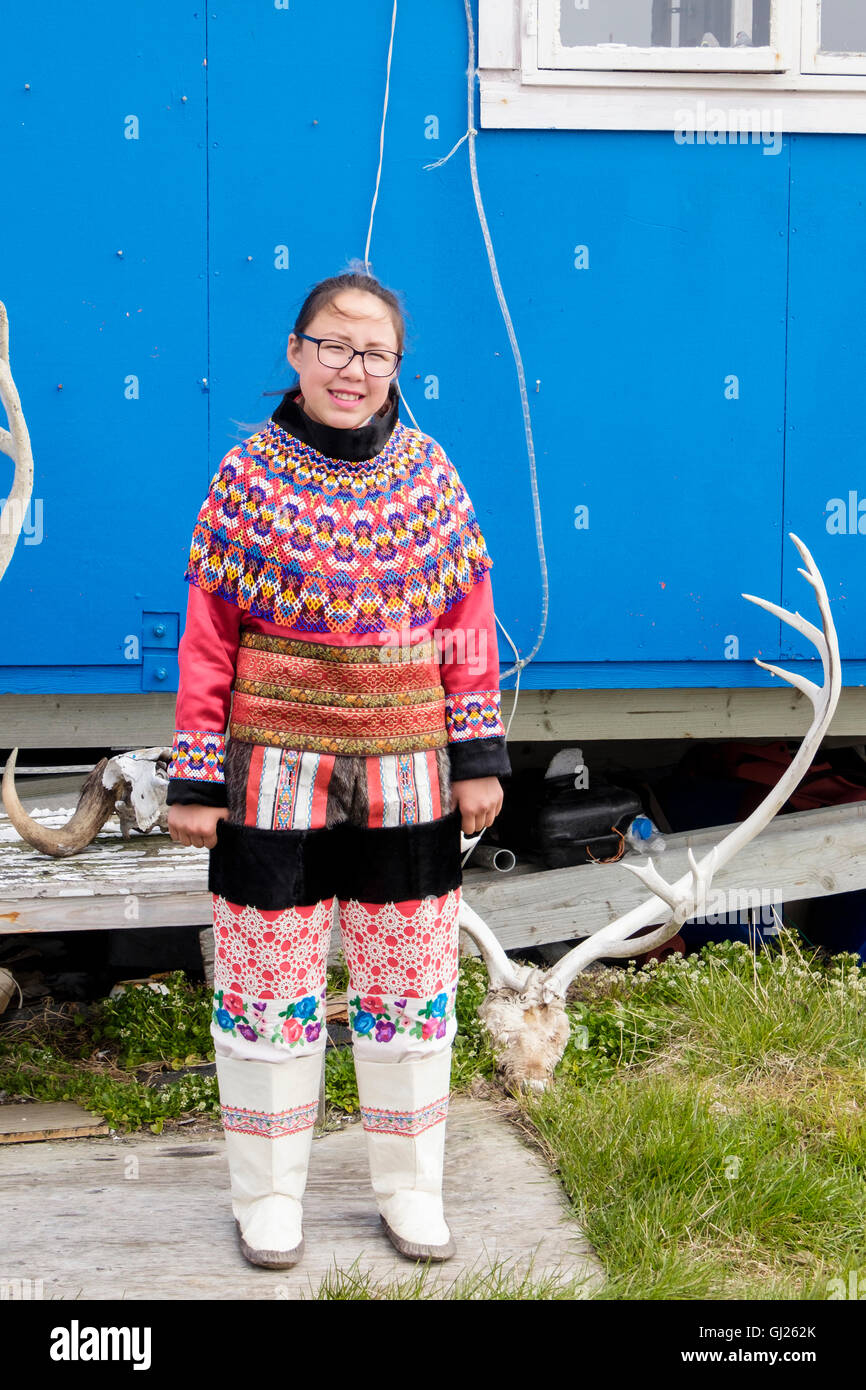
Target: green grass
<point x="498" y="1282"/>
<point x="100" y="1055"/>
<point x="719" y="1149"/>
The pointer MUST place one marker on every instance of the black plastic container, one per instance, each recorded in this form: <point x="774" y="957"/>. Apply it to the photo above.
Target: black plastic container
<point x="560" y="824"/>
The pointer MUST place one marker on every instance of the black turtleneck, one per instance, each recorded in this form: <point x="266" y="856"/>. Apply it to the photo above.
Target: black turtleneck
<point x="350" y="445"/>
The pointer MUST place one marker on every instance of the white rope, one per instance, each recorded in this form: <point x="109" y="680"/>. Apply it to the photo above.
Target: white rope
<point x="381" y="140"/>
<point x="470" y="134"/>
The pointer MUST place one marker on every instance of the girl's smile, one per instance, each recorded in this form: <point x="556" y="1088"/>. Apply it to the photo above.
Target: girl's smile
<point x="345" y="399"/>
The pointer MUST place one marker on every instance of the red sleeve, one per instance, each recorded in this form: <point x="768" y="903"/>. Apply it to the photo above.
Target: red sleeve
<point x="469" y="672"/>
<point x="206" y="657"/>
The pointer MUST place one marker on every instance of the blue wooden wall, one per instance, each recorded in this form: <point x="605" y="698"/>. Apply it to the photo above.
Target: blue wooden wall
<point x="154" y="165"/>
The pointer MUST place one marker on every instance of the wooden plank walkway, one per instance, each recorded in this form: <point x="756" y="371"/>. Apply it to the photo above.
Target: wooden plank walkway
<point x="149" y="1217"/>
<point x="36" y="1120"/>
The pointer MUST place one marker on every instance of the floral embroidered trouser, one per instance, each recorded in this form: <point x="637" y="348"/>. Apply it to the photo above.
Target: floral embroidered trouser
<point x="311" y="837"/>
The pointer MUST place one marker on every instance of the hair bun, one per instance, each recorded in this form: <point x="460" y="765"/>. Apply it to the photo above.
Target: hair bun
<point x="357" y="266"/>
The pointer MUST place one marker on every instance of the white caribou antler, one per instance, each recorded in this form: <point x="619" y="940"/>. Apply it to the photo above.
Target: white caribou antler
<point x="525" y="1007"/>
<point x="16" y="443"/>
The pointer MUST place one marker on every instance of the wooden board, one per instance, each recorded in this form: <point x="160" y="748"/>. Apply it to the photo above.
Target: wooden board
<point x="145" y="720"/>
<point x="149" y="1216"/>
<point x="582" y="715"/>
<point x="803" y="855"/>
<point x="22" y="1124"/>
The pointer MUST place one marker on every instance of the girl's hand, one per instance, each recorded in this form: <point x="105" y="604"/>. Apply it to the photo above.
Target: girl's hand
<point x="480" y="801"/>
<point x="195" y="825"/>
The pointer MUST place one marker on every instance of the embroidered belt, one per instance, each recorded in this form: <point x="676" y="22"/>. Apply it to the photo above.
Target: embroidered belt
<point x="335" y="699"/>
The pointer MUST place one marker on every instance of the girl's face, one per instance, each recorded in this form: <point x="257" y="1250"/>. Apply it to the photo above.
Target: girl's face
<point x="360" y="320"/>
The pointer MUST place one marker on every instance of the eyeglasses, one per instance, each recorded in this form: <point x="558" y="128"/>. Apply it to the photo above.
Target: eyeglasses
<point x="375" y="361"/>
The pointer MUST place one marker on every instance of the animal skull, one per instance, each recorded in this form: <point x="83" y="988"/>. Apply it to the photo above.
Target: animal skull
<point x="131" y="784"/>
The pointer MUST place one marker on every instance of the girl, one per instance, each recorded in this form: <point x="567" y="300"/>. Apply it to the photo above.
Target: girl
<point x="340" y="600"/>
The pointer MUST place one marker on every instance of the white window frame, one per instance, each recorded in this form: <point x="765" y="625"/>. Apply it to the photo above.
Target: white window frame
<point x="776" y="57"/>
<point x="813" y="60"/>
<point x="518" y="94"/>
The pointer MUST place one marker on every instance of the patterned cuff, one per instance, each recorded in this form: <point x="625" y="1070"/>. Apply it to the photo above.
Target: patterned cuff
<point x="472" y="714"/>
<point x="198" y="755"/>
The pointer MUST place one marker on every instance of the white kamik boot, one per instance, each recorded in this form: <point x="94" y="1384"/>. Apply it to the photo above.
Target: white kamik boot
<point x="268" y="1113"/>
<point x="404" y="1106"/>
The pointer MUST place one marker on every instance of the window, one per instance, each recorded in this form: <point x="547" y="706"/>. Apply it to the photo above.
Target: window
<point x="637" y="64"/>
<point x="697" y="35"/>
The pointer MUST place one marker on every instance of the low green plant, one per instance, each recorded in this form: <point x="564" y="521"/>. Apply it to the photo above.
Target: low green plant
<point x="338" y="976"/>
<point x="341" y="1087"/>
<point x="37" y="1072"/>
<point x="83" y="1056"/>
<point x="147" y="1025"/>
<point x="473" y="1052"/>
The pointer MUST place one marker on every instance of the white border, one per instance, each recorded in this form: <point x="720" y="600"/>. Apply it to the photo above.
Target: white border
<point x="518" y="95"/>
<point x="778" y="57"/>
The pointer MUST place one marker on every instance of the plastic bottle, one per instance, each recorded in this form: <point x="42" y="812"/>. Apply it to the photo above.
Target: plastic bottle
<point x="644" y="836"/>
